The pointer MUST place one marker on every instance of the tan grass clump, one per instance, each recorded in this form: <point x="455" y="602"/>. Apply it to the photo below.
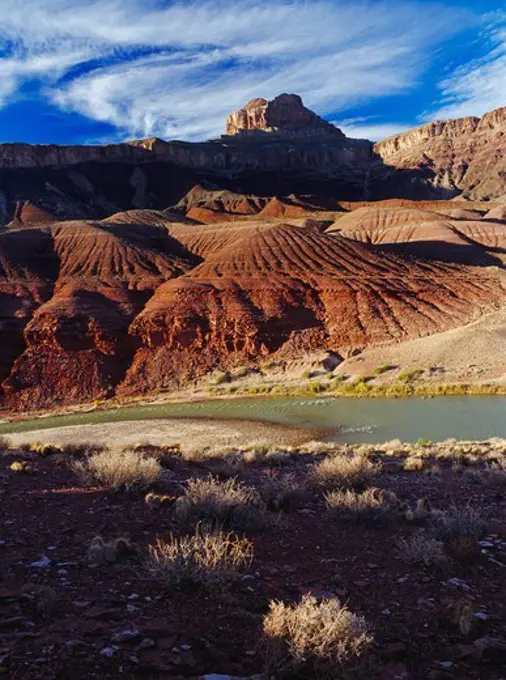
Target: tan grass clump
<point x="460" y="529"/>
<point x="324" y="639"/>
<point x="372" y="505"/>
<point x="119" y="470"/>
<point x="422" y="549"/>
<point x="283" y="492"/>
<point x="221" y="503"/>
<point x="204" y="559"/>
<point x="343" y="472"/>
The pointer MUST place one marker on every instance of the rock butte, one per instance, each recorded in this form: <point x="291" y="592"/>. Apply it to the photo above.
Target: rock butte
<point x="134" y="268"/>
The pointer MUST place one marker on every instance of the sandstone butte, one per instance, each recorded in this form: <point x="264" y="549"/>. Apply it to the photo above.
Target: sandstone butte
<point x="134" y="268"/>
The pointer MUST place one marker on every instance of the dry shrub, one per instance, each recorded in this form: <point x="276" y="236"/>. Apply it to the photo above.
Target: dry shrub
<point x="204" y="559"/>
<point x="283" y="492"/>
<point x="45" y="600"/>
<point x="342" y="472"/>
<point x="460" y="529"/>
<point x="414" y="464"/>
<point x="492" y="475"/>
<point x="372" y="505"/>
<point x="422" y="549"/>
<point x="111" y="552"/>
<point x="322" y="638"/>
<point x="218" y="503"/>
<point x="5" y="444"/>
<point x="19" y="466"/>
<point x="119" y="470"/>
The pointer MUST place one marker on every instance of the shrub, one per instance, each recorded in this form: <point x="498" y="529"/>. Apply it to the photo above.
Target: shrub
<point x="119" y="469"/>
<point x="20" y="466"/>
<point x="45" y="600"/>
<point x="459" y="529"/>
<point x="283" y="492"/>
<point x="372" y="505"/>
<point x="422" y="549"/>
<point x="413" y="464"/>
<point x="207" y="560"/>
<point x="408" y="376"/>
<point x="342" y="472"/>
<point x="110" y="552"/>
<point x="222" y="377"/>
<point x="423" y="442"/>
<point x="218" y="503"/>
<point x="383" y="369"/>
<point x="323" y="638"/>
<point x="5" y="444"/>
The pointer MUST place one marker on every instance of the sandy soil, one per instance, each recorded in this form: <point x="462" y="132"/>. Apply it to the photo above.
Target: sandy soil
<point x="190" y="433"/>
<point x="474" y="353"/>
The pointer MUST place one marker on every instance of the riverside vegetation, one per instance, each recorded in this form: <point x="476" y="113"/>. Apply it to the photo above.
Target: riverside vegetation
<point x="319" y="561"/>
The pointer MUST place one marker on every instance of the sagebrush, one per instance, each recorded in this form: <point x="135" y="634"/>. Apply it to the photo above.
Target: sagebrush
<point x="204" y="559"/>
<point x="324" y="639"/>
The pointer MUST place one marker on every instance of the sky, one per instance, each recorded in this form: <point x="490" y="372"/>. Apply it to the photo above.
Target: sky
<point x="101" y="71"/>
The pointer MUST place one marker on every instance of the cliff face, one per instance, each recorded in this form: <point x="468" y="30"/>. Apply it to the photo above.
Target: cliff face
<point x="464" y="157"/>
<point x="276" y="147"/>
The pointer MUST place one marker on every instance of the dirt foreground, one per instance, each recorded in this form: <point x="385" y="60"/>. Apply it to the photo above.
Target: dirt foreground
<point x="63" y="615"/>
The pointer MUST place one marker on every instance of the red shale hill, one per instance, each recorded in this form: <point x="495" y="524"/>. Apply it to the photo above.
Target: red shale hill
<point x="145" y="300"/>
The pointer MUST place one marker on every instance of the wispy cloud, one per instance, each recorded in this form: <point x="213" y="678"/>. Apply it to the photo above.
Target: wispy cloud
<point x="366" y="128"/>
<point x="480" y="86"/>
<point x="151" y="67"/>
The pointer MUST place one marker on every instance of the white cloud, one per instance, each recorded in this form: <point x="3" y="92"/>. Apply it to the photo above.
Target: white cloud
<point x="480" y="86"/>
<point x="177" y="70"/>
<point x="360" y="129"/>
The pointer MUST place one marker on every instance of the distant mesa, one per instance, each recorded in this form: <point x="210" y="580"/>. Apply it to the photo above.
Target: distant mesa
<point x="285" y="114"/>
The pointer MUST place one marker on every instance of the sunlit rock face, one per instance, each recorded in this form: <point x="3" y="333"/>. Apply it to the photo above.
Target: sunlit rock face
<point x="285" y="114"/>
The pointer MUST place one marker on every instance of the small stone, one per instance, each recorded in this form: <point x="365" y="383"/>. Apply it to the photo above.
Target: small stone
<point x="446" y="665"/>
<point x="108" y="652"/>
<point x="146" y="643"/>
<point x="133" y="596"/>
<point x="43" y="562"/>
<point x="126" y="635"/>
<point x="131" y="608"/>
<point x="481" y="616"/>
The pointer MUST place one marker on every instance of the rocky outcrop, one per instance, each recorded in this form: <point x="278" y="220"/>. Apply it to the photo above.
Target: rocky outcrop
<point x="285" y="115"/>
<point x="272" y="149"/>
<point x="464" y="157"/>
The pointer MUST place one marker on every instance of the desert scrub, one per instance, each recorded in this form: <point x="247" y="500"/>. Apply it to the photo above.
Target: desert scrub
<point x="343" y="472"/>
<point x="422" y="549"/>
<point x="371" y="506"/>
<point x="408" y="376"/>
<point x="316" y="639"/>
<point x="209" y="560"/>
<point x="283" y="492"/>
<point x="110" y="552"/>
<point x="119" y="470"/>
<point x="216" y="503"/>
<point x="384" y="368"/>
<point x="19" y="466"/>
<point x="460" y="529"/>
<point x="222" y="377"/>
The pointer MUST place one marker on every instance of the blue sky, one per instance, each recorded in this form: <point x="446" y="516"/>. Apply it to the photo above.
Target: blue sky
<point x="75" y="71"/>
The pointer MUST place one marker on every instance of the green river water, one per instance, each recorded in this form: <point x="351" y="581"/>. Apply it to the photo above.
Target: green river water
<point x="351" y="420"/>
